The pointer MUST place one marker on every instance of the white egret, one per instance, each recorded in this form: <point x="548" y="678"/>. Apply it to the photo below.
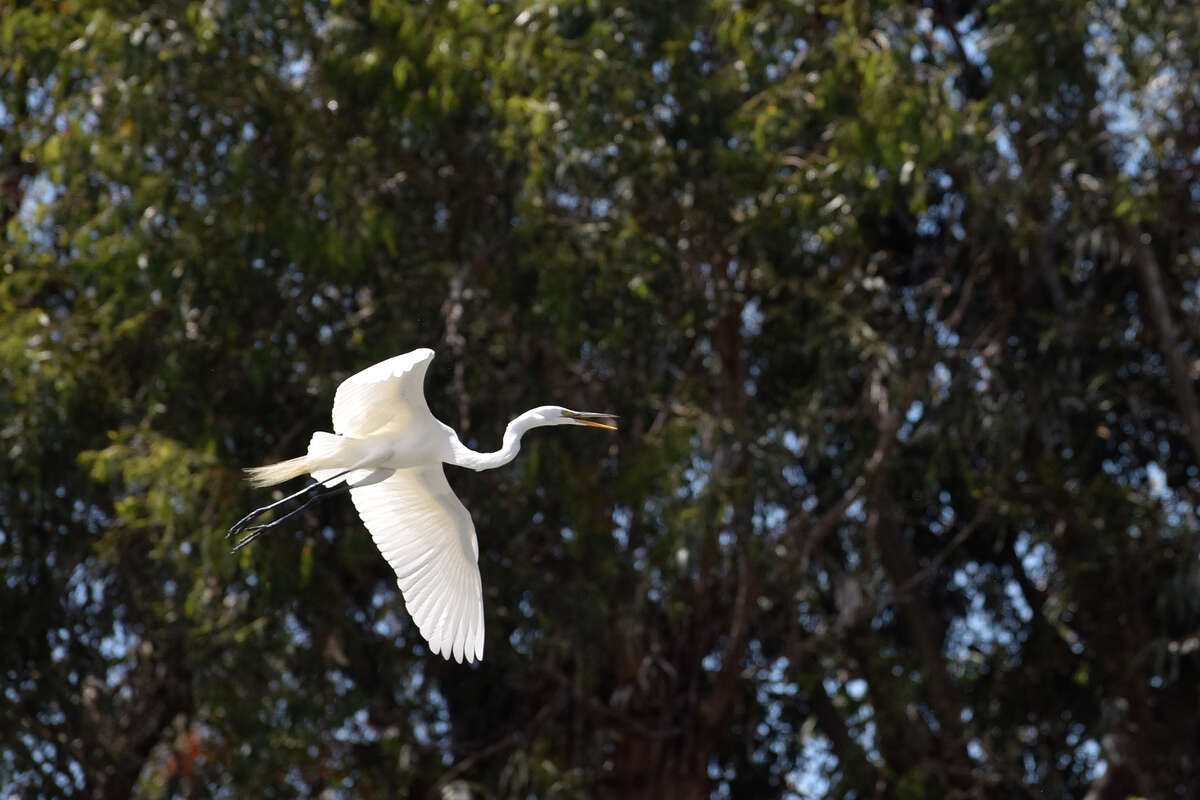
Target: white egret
<point x="387" y="450"/>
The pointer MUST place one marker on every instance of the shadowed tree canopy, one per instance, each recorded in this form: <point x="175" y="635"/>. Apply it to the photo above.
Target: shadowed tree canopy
<point x="898" y="303"/>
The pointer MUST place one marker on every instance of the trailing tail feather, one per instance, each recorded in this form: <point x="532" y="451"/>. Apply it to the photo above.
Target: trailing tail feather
<point x="326" y="453"/>
<point x="272" y="474"/>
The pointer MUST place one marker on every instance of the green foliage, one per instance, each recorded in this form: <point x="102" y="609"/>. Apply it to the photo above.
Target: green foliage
<point x="903" y="495"/>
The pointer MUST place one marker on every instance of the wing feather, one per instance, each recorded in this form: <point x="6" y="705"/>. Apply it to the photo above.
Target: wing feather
<point x="426" y="535"/>
<point x="477" y="623"/>
<point x="446" y="623"/>
<point x="454" y="627"/>
<point x="413" y="564"/>
<point x="445" y="630"/>
<point x="425" y="589"/>
<point x="389" y="395"/>
<point x="468" y="634"/>
<point x="457" y="639"/>
<point x="428" y="587"/>
<point x="463" y="625"/>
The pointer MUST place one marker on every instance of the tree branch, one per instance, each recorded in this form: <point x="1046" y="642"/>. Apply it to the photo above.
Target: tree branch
<point x="1159" y="311"/>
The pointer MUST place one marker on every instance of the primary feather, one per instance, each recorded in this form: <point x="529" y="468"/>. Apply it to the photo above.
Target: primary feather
<point x="426" y="534"/>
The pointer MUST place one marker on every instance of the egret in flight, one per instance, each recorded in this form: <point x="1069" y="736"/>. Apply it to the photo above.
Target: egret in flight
<point x="387" y="450"/>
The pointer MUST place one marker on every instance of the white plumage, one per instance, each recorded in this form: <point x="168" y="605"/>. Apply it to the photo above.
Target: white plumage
<point x="427" y="536"/>
<point x="387" y="396"/>
<point x="388" y="449"/>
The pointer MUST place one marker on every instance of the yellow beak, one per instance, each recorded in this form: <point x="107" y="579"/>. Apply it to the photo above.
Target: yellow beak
<point x="594" y="420"/>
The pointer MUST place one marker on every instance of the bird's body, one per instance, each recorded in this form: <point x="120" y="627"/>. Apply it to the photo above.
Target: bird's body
<point x="388" y="450"/>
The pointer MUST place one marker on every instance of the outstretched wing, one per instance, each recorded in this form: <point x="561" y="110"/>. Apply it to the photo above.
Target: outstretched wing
<point x="389" y="395"/>
<point x="426" y="534"/>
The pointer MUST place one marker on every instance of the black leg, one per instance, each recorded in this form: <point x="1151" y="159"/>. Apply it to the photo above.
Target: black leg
<point x="245" y="521"/>
<point x="254" y="531"/>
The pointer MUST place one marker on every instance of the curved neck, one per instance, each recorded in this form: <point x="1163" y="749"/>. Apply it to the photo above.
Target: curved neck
<point x="464" y="456"/>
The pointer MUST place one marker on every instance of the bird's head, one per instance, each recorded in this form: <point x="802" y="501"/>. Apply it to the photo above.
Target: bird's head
<point x="557" y="415"/>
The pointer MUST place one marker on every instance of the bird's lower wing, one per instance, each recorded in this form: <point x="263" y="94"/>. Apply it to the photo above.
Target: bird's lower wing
<point x="426" y="534"/>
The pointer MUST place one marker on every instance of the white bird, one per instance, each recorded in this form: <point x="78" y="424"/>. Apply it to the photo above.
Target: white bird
<point x="387" y="450"/>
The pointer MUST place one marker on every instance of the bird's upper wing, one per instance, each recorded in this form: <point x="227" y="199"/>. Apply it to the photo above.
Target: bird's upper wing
<point x="390" y="394"/>
<point x="426" y="534"/>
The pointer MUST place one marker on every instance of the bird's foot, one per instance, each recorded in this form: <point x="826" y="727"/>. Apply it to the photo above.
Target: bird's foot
<point x="242" y="523"/>
<point x="253" y="532"/>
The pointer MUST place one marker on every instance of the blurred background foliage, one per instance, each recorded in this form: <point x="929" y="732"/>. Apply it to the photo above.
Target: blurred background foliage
<point x="897" y="300"/>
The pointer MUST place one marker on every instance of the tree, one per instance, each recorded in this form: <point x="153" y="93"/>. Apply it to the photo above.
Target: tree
<point x="896" y="302"/>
